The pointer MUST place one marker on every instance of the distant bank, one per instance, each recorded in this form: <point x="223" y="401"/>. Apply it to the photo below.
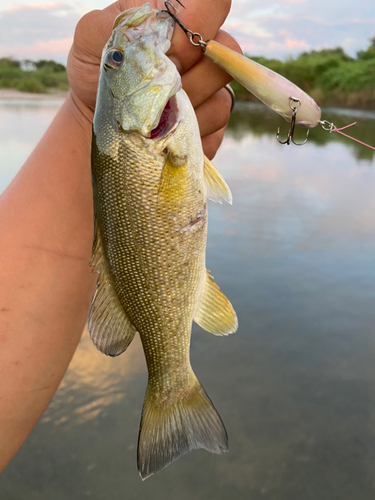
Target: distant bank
<point x="34" y="77"/>
<point x="18" y="95"/>
<point x="329" y="76"/>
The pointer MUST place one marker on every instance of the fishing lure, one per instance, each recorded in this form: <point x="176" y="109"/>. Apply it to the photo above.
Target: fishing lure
<point x="269" y="87"/>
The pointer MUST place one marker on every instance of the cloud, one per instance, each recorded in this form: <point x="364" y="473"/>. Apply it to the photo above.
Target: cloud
<point x="38" y="31"/>
<point x="273" y="28"/>
<point x="260" y="26"/>
<point x="292" y="43"/>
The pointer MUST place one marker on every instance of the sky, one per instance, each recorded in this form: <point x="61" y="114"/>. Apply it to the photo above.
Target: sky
<point x="37" y="29"/>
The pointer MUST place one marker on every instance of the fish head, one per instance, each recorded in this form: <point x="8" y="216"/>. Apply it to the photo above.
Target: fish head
<point x="138" y="81"/>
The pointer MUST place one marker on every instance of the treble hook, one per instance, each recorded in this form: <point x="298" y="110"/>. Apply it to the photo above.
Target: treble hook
<point x="294" y="109"/>
<point x="173" y="16"/>
<point x="190" y="34"/>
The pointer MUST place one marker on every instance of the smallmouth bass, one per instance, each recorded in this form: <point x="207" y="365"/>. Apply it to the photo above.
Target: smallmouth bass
<point x="150" y="187"/>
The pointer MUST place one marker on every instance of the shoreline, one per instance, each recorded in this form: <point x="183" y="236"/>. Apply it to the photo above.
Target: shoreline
<point x="14" y="94"/>
<point x="353" y="102"/>
<point x="364" y="100"/>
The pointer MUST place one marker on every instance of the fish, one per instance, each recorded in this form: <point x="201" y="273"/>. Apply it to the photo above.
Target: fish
<point x="151" y="182"/>
<point x="269" y="87"/>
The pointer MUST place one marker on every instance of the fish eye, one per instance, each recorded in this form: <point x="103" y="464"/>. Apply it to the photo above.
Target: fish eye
<point x="114" y="58"/>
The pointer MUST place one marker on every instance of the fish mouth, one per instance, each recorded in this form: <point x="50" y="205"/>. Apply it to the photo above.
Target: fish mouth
<point x="168" y="120"/>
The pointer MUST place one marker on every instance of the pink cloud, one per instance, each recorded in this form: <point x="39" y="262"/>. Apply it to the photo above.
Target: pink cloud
<point x="292" y="43"/>
<point x="40" y="30"/>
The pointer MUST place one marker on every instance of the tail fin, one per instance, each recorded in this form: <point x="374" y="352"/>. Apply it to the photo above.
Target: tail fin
<point x="170" y="430"/>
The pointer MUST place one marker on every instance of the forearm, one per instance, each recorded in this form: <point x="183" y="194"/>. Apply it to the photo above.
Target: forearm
<point x="46" y="229"/>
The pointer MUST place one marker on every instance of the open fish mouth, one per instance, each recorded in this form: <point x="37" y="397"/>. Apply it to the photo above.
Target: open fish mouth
<point x="168" y="120"/>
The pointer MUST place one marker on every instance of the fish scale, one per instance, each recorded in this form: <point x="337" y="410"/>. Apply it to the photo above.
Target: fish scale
<point x="149" y="253"/>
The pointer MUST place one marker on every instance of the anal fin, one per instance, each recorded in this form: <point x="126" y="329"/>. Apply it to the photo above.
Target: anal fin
<point x="110" y="329"/>
<point x="217" y="188"/>
<point x="215" y="313"/>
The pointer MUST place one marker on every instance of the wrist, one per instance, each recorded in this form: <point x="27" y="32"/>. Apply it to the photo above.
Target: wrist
<point x="81" y="113"/>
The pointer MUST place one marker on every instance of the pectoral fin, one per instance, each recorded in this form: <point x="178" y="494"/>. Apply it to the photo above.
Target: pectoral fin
<point x="215" y="313"/>
<point x="110" y="329"/>
<point x="217" y="188"/>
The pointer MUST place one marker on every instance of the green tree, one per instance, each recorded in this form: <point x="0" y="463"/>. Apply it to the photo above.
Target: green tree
<point x="369" y="53"/>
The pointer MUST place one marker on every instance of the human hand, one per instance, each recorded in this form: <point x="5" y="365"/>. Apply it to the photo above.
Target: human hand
<point x="201" y="79"/>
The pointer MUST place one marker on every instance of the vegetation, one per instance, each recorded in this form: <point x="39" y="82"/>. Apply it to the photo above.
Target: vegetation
<point x="330" y="76"/>
<point x="28" y="76"/>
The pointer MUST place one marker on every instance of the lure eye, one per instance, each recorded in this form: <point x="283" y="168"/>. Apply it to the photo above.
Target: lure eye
<point x="114" y="58"/>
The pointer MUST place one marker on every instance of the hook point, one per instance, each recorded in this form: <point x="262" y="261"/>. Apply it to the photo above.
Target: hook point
<point x="293" y="124"/>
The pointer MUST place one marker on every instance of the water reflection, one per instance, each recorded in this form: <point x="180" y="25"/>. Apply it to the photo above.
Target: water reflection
<point x="22" y="124"/>
<point x="312" y="204"/>
<point x="295" y="385"/>
<point x="99" y="381"/>
<point x="260" y="121"/>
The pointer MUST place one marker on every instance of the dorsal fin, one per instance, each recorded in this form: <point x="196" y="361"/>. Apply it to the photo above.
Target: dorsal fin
<point x="217" y="188"/>
<point x="215" y="313"/>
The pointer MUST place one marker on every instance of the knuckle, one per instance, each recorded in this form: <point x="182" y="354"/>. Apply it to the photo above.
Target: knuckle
<point x="224" y="107"/>
<point x="213" y="114"/>
<point x="210" y="152"/>
<point x="212" y="143"/>
<point x="86" y="23"/>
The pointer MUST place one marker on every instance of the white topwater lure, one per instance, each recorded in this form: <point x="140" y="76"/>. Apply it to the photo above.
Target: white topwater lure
<point x="272" y="89"/>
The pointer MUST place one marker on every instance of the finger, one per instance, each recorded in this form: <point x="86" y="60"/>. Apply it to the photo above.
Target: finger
<point x="205" y="18"/>
<point x="214" y="113"/>
<point x="92" y="33"/>
<point x="94" y="28"/>
<point x="212" y="142"/>
<point x="205" y="78"/>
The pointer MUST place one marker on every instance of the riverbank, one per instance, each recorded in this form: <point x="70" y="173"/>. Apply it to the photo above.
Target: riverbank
<point x="364" y="99"/>
<point x="46" y="96"/>
<point x="329" y="76"/>
<point x="359" y="100"/>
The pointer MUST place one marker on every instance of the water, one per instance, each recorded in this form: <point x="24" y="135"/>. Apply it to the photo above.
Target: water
<point x="22" y="124"/>
<point x="295" y="385"/>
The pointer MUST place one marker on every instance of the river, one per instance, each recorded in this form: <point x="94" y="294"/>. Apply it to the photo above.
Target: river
<point x="295" y="385"/>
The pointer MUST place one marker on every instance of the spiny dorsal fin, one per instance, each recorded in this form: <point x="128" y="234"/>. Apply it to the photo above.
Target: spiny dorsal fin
<point x="217" y="188"/>
<point x="215" y="313"/>
<point x="109" y="327"/>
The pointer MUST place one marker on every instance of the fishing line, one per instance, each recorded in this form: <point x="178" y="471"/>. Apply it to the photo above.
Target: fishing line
<point x="331" y="127"/>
